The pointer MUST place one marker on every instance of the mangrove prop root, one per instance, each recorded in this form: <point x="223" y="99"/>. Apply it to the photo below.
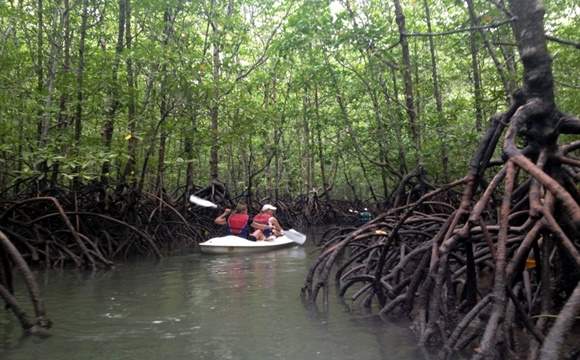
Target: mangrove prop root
<point x="34" y="293"/>
<point x="488" y="274"/>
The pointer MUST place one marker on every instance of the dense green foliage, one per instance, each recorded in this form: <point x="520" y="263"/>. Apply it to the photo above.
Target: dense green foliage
<point x="289" y="94"/>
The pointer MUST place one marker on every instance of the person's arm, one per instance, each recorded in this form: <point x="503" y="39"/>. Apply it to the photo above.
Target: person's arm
<point x="222" y="219"/>
<point x="258" y="226"/>
<point x="276" y="224"/>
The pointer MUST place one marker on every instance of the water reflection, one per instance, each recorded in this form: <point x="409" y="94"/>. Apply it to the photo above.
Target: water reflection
<point x="199" y="307"/>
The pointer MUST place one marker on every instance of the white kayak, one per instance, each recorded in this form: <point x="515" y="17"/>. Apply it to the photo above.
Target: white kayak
<point x="232" y="244"/>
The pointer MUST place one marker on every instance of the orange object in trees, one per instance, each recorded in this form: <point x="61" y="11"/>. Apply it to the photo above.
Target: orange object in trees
<point x="530" y="263"/>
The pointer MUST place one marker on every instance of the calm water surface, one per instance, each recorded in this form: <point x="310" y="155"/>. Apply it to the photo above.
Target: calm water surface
<point x="199" y="307"/>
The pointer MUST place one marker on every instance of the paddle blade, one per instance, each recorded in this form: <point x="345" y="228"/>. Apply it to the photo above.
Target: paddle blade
<point x="201" y="202"/>
<point x="295" y="236"/>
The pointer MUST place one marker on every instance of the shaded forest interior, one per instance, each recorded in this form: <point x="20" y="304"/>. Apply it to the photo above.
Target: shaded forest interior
<point x="113" y="113"/>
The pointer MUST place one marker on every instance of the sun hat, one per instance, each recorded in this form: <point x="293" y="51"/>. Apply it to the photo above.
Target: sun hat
<point x="268" y="207"/>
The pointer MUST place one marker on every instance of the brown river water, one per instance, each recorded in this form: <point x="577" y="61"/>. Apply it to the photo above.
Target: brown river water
<point x="244" y="307"/>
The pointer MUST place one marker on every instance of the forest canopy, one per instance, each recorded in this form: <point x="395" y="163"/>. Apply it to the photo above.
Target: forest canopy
<point x="273" y="98"/>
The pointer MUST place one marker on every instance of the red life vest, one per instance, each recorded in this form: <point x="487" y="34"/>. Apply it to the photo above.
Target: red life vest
<point x="262" y="218"/>
<point x="237" y="223"/>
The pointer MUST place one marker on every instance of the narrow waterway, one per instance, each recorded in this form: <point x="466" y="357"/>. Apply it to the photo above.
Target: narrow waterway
<point x="199" y="307"/>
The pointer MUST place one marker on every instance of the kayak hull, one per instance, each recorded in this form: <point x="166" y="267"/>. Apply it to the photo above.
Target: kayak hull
<point x="236" y="245"/>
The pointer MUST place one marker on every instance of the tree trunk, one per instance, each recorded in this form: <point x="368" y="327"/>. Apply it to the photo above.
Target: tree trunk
<point x="249" y="162"/>
<point x="382" y="140"/>
<point x="128" y="176"/>
<point x="417" y="88"/>
<point x="475" y="68"/>
<point x="168" y="19"/>
<point x="80" y="89"/>
<point x="63" y="115"/>
<point x="113" y="93"/>
<point x="367" y="179"/>
<point x="40" y="68"/>
<point x="441" y="121"/>
<point x="350" y="184"/>
<point x="407" y="78"/>
<point x="278" y="168"/>
<point x="381" y="133"/>
<point x="188" y="147"/>
<point x="306" y="154"/>
<point x="161" y="162"/>
<point x="395" y="123"/>
<point x="47" y="113"/>
<point x="214" y="101"/>
<point x="508" y="85"/>
<point x="321" y="159"/>
<point x="268" y="170"/>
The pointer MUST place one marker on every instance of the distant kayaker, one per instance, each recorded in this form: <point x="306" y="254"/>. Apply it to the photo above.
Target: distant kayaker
<point x="365" y="216"/>
<point x="266" y="225"/>
<point x="238" y="222"/>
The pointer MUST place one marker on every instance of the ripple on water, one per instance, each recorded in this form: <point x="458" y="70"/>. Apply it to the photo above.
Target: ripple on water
<point x="198" y="307"/>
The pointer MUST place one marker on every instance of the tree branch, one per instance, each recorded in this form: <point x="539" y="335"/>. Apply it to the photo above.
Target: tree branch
<point x="469" y="29"/>
<point x="563" y="41"/>
<point x="569" y="124"/>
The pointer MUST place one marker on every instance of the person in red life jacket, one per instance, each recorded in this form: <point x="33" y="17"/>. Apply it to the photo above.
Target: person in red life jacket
<point x="266" y="225"/>
<point x="238" y="222"/>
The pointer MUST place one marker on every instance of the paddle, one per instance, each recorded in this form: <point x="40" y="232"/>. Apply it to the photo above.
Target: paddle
<point x="291" y="234"/>
<point x="201" y="202"/>
<point x="295" y="236"/>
